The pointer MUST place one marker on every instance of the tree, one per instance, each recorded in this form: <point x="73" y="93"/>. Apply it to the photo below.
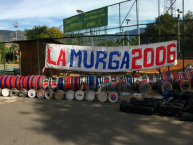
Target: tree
<point x="43" y="32"/>
<point x="3" y="47"/>
<point x="108" y="43"/>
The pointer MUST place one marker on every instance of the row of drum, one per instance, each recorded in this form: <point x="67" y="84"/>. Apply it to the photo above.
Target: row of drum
<point x="60" y="94"/>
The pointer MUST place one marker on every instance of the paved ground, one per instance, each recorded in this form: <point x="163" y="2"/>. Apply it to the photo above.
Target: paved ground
<point x="25" y="121"/>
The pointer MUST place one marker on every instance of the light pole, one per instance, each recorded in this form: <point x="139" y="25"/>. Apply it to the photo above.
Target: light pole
<point x="128" y="29"/>
<point x="79" y="12"/>
<point x="178" y="10"/>
<point x="16" y="25"/>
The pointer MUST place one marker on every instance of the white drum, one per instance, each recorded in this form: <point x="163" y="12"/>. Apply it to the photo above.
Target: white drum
<point x="70" y="95"/>
<point x="102" y="96"/>
<point x="23" y="92"/>
<point x="79" y="95"/>
<point x="41" y="94"/>
<point x="14" y="92"/>
<point x="5" y="92"/>
<point x="90" y="95"/>
<point x="49" y="94"/>
<point x="59" y="94"/>
<point x="32" y="93"/>
<point x="113" y="97"/>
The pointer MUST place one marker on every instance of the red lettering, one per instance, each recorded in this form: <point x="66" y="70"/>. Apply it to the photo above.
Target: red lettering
<point x="158" y="49"/>
<point x="48" y="58"/>
<point x="134" y="66"/>
<point x="169" y="53"/>
<point x="62" y="57"/>
<point x="145" y="64"/>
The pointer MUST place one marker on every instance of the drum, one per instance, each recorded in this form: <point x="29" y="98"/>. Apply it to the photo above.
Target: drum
<point x="175" y="78"/>
<point x="27" y="85"/>
<point x="5" y="82"/>
<point x="40" y="93"/>
<point x="46" y="83"/>
<point x="13" y="82"/>
<point x="53" y="84"/>
<point x="184" y="85"/>
<point x="17" y="82"/>
<point x="70" y="95"/>
<point x="91" y="83"/>
<point x="120" y="79"/>
<point x="125" y="88"/>
<point x="144" y="87"/>
<point x="1" y="77"/>
<point x="39" y="82"/>
<point x="99" y="84"/>
<point x="59" y="94"/>
<point x="113" y="97"/>
<point x="8" y="82"/>
<point x="136" y="79"/>
<point x="190" y="76"/>
<point x="5" y="92"/>
<point x="31" y="85"/>
<point x="106" y="80"/>
<point x="125" y="96"/>
<point x="90" y="95"/>
<point x="145" y="78"/>
<point x="138" y="96"/>
<point x="183" y="76"/>
<point x="102" y="96"/>
<point x="60" y="84"/>
<point x="167" y="77"/>
<point x="32" y="93"/>
<point x="83" y="83"/>
<point x="23" y="92"/>
<point x="79" y="95"/>
<point x="152" y="81"/>
<point x="129" y="79"/>
<point x="113" y="83"/>
<point x="76" y="83"/>
<point x="49" y="94"/>
<point x="164" y="86"/>
<point x="68" y="82"/>
<point x="14" y="92"/>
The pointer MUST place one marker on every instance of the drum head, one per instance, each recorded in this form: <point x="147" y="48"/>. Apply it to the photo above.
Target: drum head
<point x="40" y="94"/>
<point x="32" y="93"/>
<point x="79" y="95"/>
<point x="14" y="92"/>
<point x="113" y="97"/>
<point x="90" y="95"/>
<point x="59" y="94"/>
<point x="5" y="92"/>
<point x="49" y="94"/>
<point x="70" y="95"/>
<point x="23" y="92"/>
<point x="102" y="96"/>
<point x="145" y="88"/>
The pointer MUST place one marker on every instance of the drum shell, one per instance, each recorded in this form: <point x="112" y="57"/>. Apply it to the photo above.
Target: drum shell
<point x="136" y="79"/>
<point x="121" y="79"/>
<point x="113" y="83"/>
<point x="164" y="86"/>
<point x="183" y="75"/>
<point x="76" y="83"/>
<point x="99" y="83"/>
<point x="91" y="83"/>
<point x="53" y="84"/>
<point x="83" y="83"/>
<point x="167" y="77"/>
<point x="190" y="76"/>
<point x="68" y="83"/>
<point x="129" y="79"/>
<point x="60" y="84"/>
<point x="175" y="78"/>
<point x="152" y="81"/>
<point x="106" y="80"/>
<point x="46" y="83"/>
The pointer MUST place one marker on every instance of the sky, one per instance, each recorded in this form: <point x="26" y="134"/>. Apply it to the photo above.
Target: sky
<point x="30" y="13"/>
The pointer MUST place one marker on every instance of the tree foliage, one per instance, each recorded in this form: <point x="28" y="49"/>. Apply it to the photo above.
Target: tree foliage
<point x="107" y="43"/>
<point x="43" y="32"/>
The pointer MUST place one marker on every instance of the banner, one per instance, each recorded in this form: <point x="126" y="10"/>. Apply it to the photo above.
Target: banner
<point x="111" y="59"/>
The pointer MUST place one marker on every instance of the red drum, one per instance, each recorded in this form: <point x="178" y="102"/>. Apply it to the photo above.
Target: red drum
<point x="8" y="82"/>
<point x="13" y="82"/>
<point x="68" y="82"/>
<point x="46" y="82"/>
<point x="17" y="82"/>
<point x="190" y="76"/>
<point x="145" y="78"/>
<point x="31" y="82"/>
<point x="144" y="87"/>
<point x="83" y="83"/>
<point x="184" y="85"/>
<point x="53" y="84"/>
<point x="167" y="77"/>
<point x="22" y="82"/>
<point x="175" y="78"/>
<point x="152" y="81"/>
<point x="183" y="75"/>
<point x="120" y="79"/>
<point x="106" y="80"/>
<point x="164" y="86"/>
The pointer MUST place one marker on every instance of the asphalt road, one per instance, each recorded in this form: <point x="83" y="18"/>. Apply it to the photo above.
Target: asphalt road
<point x="25" y="121"/>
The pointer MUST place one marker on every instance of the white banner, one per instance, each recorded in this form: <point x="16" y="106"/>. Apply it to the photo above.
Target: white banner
<point x="111" y="59"/>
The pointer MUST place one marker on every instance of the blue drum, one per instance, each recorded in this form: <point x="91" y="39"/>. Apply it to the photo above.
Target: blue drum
<point x="60" y="84"/>
<point x="91" y="83"/>
<point x="129" y="79"/>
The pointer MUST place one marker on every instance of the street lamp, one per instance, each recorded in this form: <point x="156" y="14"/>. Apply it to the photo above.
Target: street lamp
<point x="79" y="11"/>
<point x="15" y="25"/>
<point x="178" y="10"/>
<point x="128" y="29"/>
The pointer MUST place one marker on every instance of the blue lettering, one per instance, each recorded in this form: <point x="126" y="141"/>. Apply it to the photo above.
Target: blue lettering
<point x="78" y="54"/>
<point x="98" y="59"/>
<point x="91" y="59"/>
<point x="126" y="56"/>
<point x="113" y="61"/>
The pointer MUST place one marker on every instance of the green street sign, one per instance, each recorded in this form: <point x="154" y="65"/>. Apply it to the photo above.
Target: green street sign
<point x="91" y="19"/>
